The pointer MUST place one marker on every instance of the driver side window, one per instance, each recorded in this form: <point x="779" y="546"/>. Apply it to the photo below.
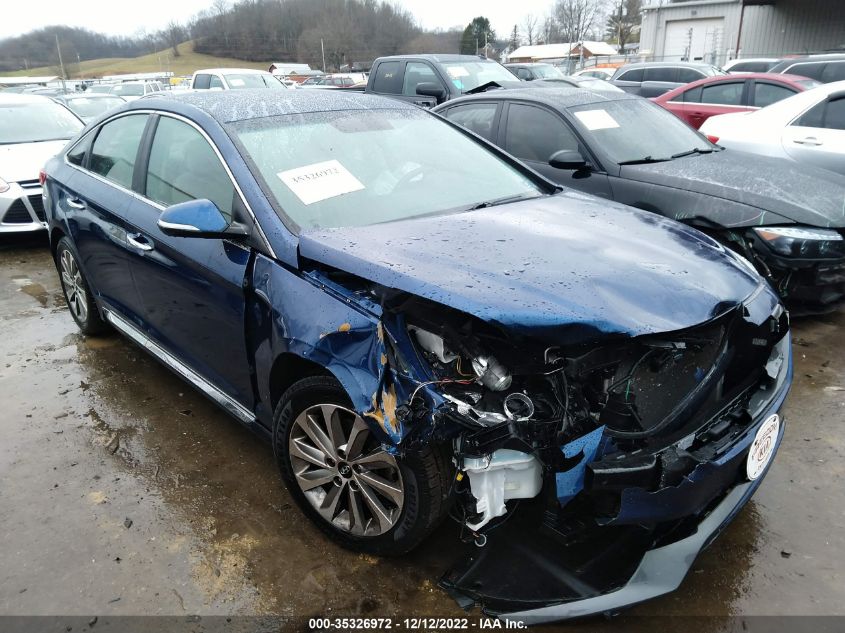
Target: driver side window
<point x="183" y="166"/>
<point x="535" y="134"/>
<point x="417" y="73"/>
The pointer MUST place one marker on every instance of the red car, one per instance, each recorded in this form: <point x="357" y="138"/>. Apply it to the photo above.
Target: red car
<point x="697" y="101"/>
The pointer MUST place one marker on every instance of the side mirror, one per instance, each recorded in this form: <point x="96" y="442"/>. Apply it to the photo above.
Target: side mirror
<point x="198" y="218"/>
<point x="431" y="89"/>
<point x="567" y="159"/>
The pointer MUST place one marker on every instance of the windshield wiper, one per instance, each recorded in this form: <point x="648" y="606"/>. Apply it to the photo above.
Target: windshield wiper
<point x="482" y="88"/>
<point x="694" y="150"/>
<point x="643" y="161"/>
<point x="498" y="201"/>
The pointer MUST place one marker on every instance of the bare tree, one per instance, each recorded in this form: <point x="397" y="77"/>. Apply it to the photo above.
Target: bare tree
<point x="529" y="28"/>
<point x="576" y="19"/>
<point x="175" y="35"/>
<point x="624" y="22"/>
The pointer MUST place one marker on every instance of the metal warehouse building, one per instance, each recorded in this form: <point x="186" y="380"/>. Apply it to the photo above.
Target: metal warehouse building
<point x="714" y="31"/>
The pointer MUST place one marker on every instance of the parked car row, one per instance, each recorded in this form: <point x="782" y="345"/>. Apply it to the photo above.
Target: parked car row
<point x="555" y="314"/>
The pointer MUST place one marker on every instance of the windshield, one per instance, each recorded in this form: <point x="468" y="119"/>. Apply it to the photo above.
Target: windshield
<point x="470" y="74"/>
<point x="355" y="168"/>
<point x="35" y="122"/>
<point x="636" y="130"/>
<point x="240" y="82"/>
<point x="86" y="108"/>
<point x="546" y="71"/>
<point x="132" y="90"/>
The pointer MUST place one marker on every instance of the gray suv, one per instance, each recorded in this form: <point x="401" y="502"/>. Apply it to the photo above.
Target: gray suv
<point x="652" y="79"/>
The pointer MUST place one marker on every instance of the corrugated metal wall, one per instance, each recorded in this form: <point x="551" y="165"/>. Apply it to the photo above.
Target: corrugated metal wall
<point x="788" y="26"/>
<point x="793" y="26"/>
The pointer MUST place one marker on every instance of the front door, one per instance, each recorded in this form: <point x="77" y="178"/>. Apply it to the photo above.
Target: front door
<point x="192" y="288"/>
<point x="533" y="134"/>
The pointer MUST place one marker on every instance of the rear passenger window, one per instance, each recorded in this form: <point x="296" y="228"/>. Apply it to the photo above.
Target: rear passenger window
<point x="811" y="70"/>
<point x="535" y="134"/>
<point x="631" y="75"/>
<point x="813" y="117"/>
<point x="692" y="96"/>
<point x="723" y="93"/>
<point x="661" y="74"/>
<point x="202" y="82"/>
<point x="767" y="94"/>
<point x="115" y="149"/>
<point x="834" y="71"/>
<point x="834" y="116"/>
<point x="687" y="75"/>
<point x="76" y="156"/>
<point x="476" y="117"/>
<point x="388" y="78"/>
<point x="183" y="166"/>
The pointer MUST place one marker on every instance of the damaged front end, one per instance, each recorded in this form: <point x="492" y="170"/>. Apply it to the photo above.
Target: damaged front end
<point x="583" y="471"/>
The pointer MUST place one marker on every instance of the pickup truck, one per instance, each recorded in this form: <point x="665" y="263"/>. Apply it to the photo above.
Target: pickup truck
<point x="428" y="80"/>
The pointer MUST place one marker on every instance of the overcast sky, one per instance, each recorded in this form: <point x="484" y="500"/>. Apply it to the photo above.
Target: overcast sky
<point x="127" y="18"/>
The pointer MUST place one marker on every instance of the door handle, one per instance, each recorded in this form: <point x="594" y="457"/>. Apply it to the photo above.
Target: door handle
<point x="138" y="241"/>
<point x="75" y="203"/>
<point x="810" y="140"/>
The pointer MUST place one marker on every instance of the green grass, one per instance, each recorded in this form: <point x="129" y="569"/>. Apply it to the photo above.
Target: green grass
<point x="187" y="62"/>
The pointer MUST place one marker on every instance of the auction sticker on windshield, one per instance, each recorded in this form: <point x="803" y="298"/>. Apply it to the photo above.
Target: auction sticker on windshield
<point x="596" y="119"/>
<point x="763" y="447"/>
<point x="320" y="181"/>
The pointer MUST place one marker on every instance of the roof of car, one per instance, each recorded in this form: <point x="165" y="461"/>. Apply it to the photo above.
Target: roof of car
<point x="16" y="98"/>
<point x="663" y="64"/>
<point x="240" y="71"/>
<point x="227" y="106"/>
<point x="439" y="57"/>
<point x="553" y="96"/>
<point x="86" y="95"/>
<point x="528" y="64"/>
<point x="810" y="59"/>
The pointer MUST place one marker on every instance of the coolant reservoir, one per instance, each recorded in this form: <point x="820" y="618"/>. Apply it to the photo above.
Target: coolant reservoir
<point x="502" y="475"/>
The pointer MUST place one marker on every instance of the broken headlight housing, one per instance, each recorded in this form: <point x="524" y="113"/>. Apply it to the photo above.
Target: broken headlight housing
<point x="802" y="242"/>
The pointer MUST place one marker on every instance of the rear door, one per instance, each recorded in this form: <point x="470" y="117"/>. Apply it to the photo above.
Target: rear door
<point x="192" y="289"/>
<point x="818" y="136"/>
<point x="98" y="205"/>
<point x="721" y="97"/>
<point x="533" y="133"/>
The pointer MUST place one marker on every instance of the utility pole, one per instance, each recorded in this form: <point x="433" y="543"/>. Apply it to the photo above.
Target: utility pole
<point x="485" y="44"/>
<point x="323" y="51"/>
<point x="61" y="63"/>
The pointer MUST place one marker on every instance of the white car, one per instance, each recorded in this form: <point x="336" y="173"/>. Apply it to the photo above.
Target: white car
<point x="131" y="90"/>
<point x="596" y="73"/>
<point x="33" y="129"/>
<point x="808" y="128"/>
<point x="235" y="79"/>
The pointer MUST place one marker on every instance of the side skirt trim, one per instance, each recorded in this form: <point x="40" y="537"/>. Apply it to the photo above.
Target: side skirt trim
<point x="228" y="403"/>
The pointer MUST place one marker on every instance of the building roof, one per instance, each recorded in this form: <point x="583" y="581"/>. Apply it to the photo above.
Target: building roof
<point x="555" y="51"/>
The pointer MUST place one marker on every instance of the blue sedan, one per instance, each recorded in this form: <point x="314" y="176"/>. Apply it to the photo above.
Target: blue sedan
<point x="424" y="327"/>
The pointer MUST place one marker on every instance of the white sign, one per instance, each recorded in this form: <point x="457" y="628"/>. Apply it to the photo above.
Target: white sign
<point x="596" y="119"/>
<point x="763" y="447"/>
<point x="320" y="181"/>
<point x="457" y="71"/>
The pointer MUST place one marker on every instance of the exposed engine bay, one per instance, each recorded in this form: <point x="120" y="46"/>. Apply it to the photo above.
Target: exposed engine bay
<point x="519" y="405"/>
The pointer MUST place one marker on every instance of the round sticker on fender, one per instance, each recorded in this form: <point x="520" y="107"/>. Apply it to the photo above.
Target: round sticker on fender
<point x="763" y="447"/>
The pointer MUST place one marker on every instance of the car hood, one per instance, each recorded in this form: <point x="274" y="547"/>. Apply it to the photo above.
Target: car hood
<point x="797" y="193"/>
<point x="22" y="161"/>
<point x="569" y="267"/>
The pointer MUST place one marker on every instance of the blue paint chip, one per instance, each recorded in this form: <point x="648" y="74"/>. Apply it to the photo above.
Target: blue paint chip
<point x="571" y="482"/>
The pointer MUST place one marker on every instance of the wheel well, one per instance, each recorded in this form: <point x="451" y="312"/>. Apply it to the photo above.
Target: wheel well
<point x="55" y="235"/>
<point x="287" y="369"/>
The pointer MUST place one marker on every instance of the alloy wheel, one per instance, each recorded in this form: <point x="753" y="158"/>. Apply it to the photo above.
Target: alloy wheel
<point x="74" y="287"/>
<point x="344" y="472"/>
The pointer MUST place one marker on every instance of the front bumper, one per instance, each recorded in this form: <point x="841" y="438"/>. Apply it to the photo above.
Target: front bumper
<point x="22" y="208"/>
<point x="544" y="565"/>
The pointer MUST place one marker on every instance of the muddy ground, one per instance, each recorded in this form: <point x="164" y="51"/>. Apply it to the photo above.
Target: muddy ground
<point x="125" y="492"/>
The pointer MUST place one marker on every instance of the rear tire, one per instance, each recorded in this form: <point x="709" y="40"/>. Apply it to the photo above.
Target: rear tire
<point x="362" y="497"/>
<point x="80" y="301"/>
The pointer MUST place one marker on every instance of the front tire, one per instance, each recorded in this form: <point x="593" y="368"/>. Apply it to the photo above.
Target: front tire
<point x="361" y="496"/>
<point x="80" y="301"/>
